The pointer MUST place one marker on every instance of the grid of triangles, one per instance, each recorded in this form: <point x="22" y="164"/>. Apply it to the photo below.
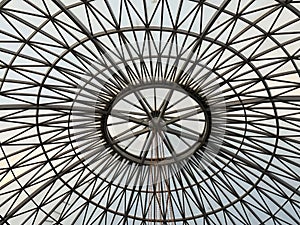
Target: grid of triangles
<point x="241" y="53"/>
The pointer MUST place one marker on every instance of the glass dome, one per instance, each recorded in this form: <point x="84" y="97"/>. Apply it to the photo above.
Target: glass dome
<point x="149" y="112"/>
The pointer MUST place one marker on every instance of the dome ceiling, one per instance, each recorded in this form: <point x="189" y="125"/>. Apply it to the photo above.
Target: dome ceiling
<point x="149" y="112"/>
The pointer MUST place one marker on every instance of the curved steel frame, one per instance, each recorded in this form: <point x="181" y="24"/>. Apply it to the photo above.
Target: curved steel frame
<point x="62" y="69"/>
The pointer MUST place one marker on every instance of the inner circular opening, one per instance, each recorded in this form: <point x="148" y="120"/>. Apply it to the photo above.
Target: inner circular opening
<point x="157" y="123"/>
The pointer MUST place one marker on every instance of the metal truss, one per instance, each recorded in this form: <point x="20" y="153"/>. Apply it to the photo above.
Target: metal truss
<point x="149" y="112"/>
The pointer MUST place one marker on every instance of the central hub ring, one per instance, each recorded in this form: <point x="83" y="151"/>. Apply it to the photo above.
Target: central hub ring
<point x="156" y="123"/>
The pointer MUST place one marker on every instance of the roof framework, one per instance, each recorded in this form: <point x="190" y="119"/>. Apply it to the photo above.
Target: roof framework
<point x="149" y="112"/>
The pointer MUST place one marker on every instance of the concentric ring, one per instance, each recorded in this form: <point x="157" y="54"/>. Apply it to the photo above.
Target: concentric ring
<point x="142" y="132"/>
